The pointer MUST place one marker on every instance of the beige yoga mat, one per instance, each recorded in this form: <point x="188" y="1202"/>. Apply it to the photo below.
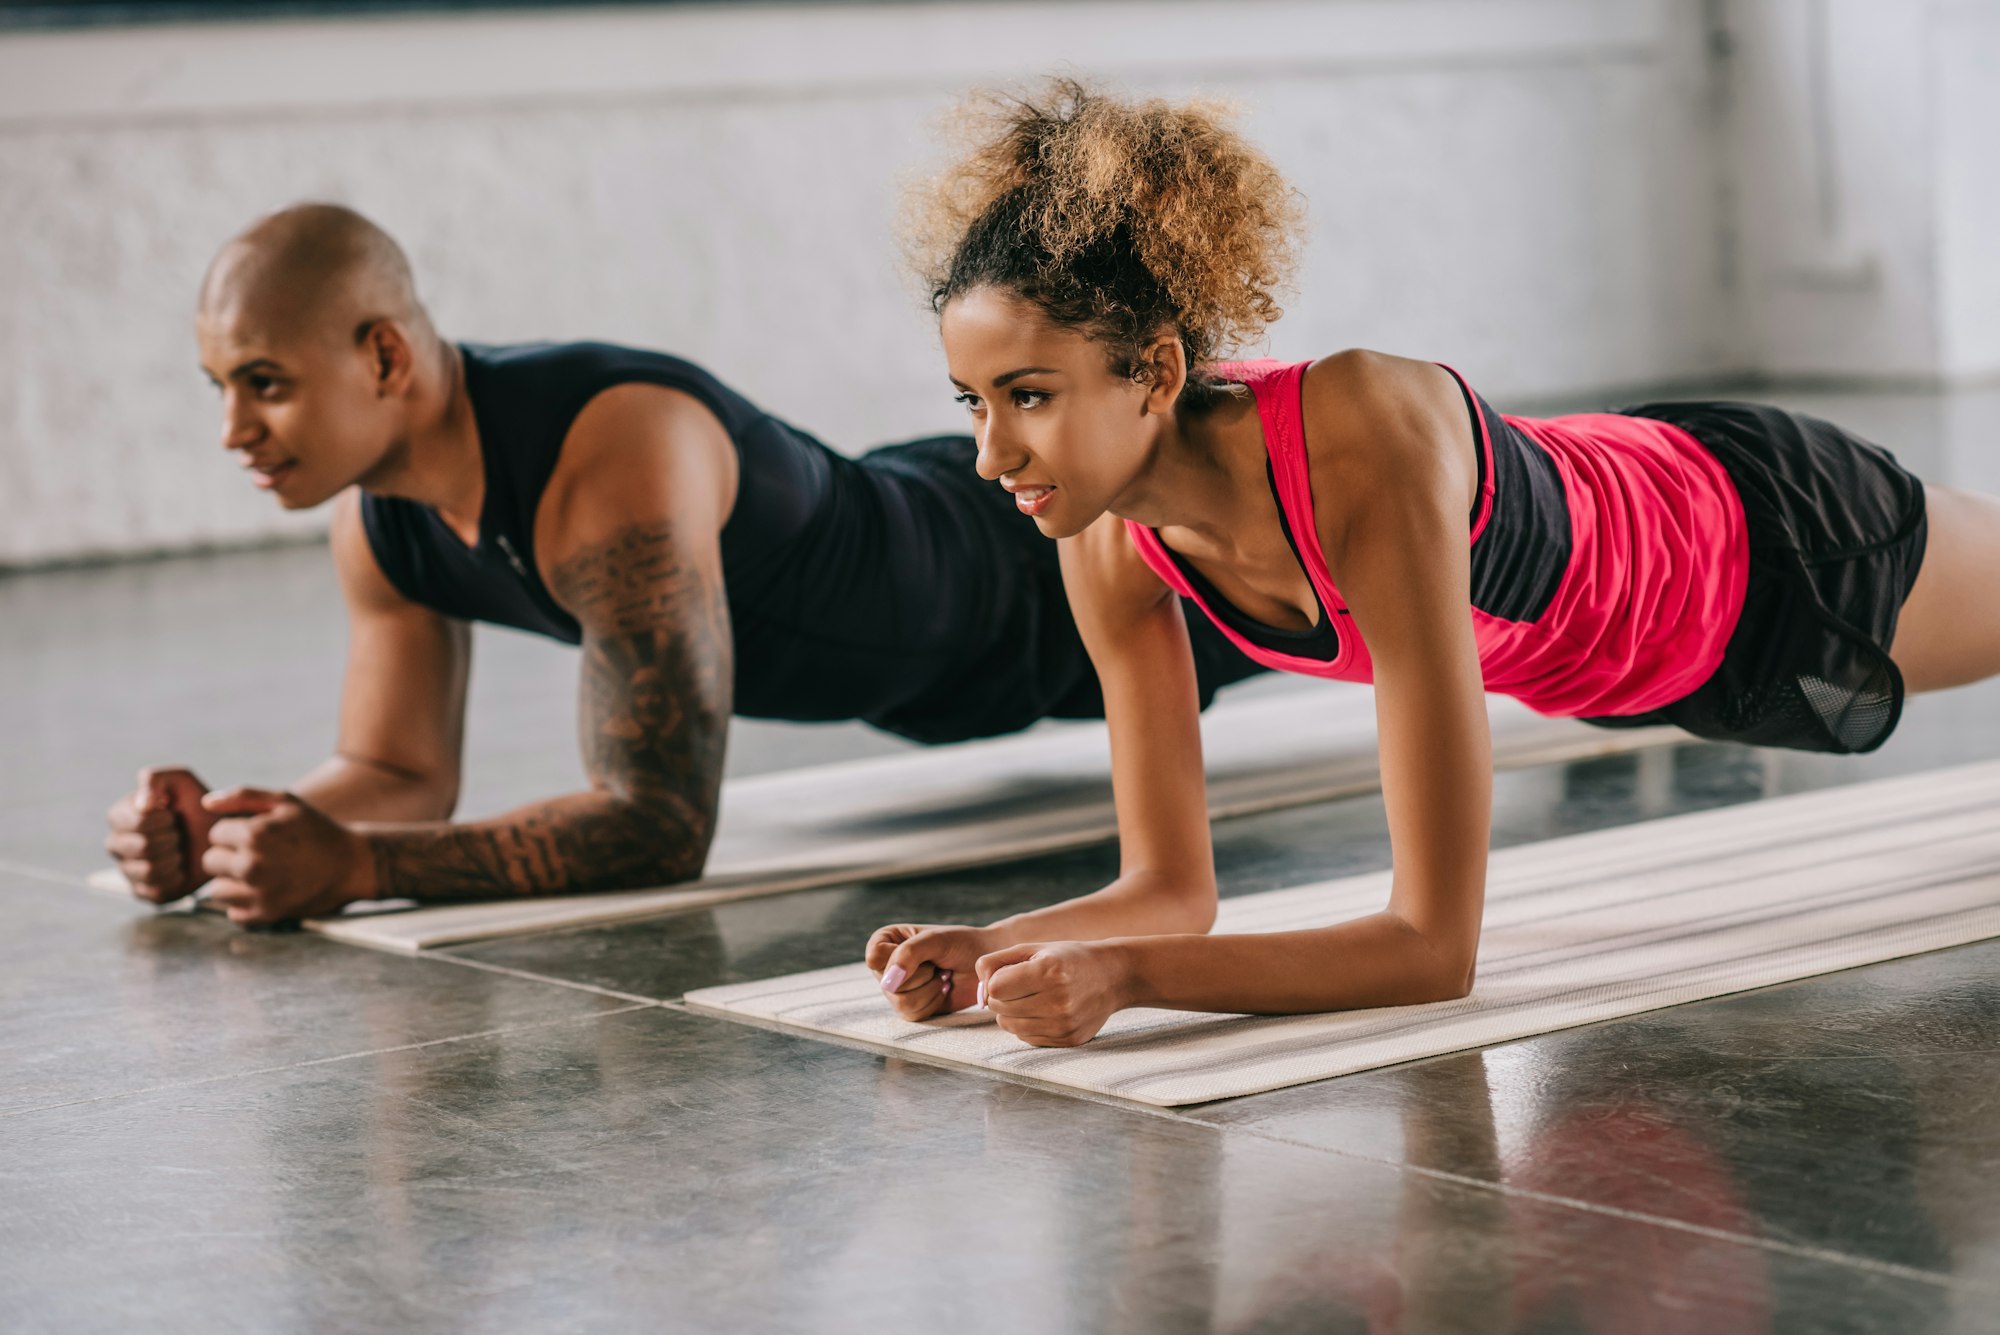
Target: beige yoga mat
<point x="1580" y="929"/>
<point x="975" y="803"/>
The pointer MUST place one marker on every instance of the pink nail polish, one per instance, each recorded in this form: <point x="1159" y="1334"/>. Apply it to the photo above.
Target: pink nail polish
<point x="982" y="992"/>
<point x="894" y="977"/>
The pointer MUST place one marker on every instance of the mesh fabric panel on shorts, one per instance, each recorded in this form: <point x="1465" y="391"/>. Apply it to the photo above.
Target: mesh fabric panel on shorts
<point x="1857" y="717"/>
<point x="1845" y="699"/>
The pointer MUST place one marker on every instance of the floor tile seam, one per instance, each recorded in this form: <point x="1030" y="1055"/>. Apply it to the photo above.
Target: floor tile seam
<point x="527" y="975"/>
<point x="1824" y="1255"/>
<point x="1177" y="1116"/>
<point x="69" y="879"/>
<point x="170" y="1086"/>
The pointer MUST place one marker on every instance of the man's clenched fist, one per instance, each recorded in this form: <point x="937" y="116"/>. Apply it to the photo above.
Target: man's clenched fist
<point x="159" y="834"/>
<point x="274" y="858"/>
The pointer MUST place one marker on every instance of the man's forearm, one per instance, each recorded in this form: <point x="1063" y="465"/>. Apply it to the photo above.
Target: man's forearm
<point x="352" y="790"/>
<point x="574" y="844"/>
<point x="654" y="712"/>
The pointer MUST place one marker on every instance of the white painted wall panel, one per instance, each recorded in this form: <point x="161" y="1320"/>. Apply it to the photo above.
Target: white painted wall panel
<point x="1831" y="141"/>
<point x="1967" y="62"/>
<point x="1522" y="187"/>
<point x="1864" y="146"/>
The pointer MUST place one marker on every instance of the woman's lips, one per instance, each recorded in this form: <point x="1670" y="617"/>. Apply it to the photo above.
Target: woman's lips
<point x="1032" y="500"/>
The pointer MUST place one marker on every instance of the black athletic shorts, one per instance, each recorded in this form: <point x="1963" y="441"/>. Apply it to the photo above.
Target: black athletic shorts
<point x="1837" y="533"/>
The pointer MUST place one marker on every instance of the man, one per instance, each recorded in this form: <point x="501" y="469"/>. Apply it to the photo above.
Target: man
<point x="708" y="558"/>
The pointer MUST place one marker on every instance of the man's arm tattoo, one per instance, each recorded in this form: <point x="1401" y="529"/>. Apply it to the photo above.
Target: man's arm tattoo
<point x="654" y="714"/>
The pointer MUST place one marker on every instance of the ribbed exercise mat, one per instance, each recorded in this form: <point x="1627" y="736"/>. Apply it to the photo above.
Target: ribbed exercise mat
<point x="982" y="802"/>
<point x="1580" y="929"/>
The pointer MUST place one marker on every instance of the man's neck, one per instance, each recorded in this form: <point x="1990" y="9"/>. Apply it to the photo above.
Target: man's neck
<point x="439" y="463"/>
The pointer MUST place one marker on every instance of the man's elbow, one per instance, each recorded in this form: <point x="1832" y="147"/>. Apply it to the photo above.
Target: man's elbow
<point x="669" y="863"/>
<point x="682" y="865"/>
<point x="666" y="843"/>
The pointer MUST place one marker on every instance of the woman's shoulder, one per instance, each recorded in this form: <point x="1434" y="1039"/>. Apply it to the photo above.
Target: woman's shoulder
<point x="1377" y="403"/>
<point x="1382" y="430"/>
<point x="1364" y="380"/>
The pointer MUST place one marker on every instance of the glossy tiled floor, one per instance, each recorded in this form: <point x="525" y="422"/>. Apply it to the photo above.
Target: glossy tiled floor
<point x="207" y="1129"/>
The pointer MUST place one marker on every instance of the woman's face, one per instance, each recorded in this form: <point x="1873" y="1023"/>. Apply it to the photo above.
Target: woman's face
<point x="1056" y="427"/>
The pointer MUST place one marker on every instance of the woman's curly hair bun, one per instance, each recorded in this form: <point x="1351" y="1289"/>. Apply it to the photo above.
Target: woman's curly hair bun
<point x="1123" y="217"/>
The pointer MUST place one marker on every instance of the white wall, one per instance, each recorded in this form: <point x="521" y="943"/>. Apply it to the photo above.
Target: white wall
<point x="1519" y="186"/>
<point x="1967" y="43"/>
<point x="1863" y="148"/>
<point x="1558" y="196"/>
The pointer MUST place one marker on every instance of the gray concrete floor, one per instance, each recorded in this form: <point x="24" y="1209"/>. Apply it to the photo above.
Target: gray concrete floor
<point x="202" y="1128"/>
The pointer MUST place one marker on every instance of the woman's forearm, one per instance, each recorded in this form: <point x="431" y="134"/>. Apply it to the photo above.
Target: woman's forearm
<point x="1380" y="960"/>
<point x="1136" y="904"/>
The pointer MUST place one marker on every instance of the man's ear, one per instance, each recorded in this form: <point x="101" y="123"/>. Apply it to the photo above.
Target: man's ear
<point x="1165" y="362"/>
<point x="391" y="359"/>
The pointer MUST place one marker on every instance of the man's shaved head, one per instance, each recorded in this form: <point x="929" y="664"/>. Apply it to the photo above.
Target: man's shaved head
<point x="310" y="328"/>
<point x="310" y="271"/>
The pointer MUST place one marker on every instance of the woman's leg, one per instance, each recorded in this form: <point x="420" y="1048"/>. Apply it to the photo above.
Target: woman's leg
<point x="1948" y="633"/>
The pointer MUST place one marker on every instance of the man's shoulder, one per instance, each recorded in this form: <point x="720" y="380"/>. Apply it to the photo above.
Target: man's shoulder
<point x="638" y="452"/>
<point x="551" y="383"/>
<point x="583" y="361"/>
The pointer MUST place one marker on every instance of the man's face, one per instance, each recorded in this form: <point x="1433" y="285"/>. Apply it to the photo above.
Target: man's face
<point x="303" y="412"/>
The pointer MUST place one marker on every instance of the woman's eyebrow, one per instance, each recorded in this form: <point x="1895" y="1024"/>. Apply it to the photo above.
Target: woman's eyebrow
<point x="1014" y="375"/>
<point x="1000" y="381"/>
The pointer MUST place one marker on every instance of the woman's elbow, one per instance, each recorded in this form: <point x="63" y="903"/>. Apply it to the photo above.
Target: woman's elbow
<point x="1167" y="903"/>
<point x="1441" y="969"/>
<point x="1450" y="987"/>
<point x="1194" y="910"/>
<point x="1451" y="979"/>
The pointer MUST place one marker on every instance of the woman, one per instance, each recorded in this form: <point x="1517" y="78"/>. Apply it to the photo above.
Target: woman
<point x="1744" y="572"/>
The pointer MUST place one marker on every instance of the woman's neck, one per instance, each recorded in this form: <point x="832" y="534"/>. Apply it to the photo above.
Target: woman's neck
<point x="1206" y="477"/>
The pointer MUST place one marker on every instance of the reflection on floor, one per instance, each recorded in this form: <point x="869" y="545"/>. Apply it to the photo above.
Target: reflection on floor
<point x="201" y="1127"/>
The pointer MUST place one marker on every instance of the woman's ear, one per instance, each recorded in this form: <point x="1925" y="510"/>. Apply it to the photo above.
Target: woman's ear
<point x="1164" y="361"/>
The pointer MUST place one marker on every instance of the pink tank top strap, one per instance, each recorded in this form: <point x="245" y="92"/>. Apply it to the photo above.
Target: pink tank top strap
<point x="1279" y="387"/>
<point x="1485" y="443"/>
<point x="1276" y="387"/>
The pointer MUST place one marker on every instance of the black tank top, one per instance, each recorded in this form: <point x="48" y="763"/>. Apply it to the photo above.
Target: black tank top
<point x="896" y="588"/>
